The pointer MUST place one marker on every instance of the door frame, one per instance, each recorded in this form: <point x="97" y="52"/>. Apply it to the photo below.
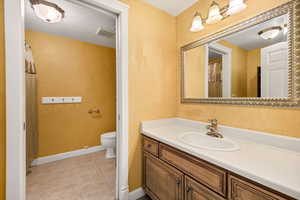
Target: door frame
<point x="14" y="13"/>
<point x="226" y="67"/>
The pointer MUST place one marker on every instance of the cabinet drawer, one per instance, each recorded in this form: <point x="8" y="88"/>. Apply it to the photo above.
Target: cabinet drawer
<point x="240" y="189"/>
<point x="196" y="191"/>
<point x="207" y="174"/>
<point x="150" y="146"/>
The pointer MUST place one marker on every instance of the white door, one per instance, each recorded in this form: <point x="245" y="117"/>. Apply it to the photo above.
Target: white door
<point x="274" y="70"/>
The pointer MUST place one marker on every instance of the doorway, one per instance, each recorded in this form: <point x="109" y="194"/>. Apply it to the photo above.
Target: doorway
<point x="15" y="95"/>
<point x="220" y="75"/>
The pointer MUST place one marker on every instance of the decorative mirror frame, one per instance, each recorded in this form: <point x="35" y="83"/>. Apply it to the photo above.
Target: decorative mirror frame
<point x="292" y="8"/>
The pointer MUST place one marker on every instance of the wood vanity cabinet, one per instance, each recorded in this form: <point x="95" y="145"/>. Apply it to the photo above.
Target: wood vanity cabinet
<point x="170" y="174"/>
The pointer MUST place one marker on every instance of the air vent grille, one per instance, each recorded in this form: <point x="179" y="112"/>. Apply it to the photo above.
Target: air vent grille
<point x="105" y="32"/>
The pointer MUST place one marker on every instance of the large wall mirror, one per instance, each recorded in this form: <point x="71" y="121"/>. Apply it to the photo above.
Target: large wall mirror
<point x="253" y="63"/>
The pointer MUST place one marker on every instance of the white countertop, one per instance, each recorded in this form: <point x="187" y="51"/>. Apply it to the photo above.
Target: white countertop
<point x="271" y="160"/>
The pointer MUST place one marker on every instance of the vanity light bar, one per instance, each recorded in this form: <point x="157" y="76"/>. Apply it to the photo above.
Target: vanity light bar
<point x="216" y="14"/>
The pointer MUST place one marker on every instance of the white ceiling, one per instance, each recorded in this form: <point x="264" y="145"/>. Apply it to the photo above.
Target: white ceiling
<point x="80" y="23"/>
<point x="173" y="7"/>
<point x="249" y="38"/>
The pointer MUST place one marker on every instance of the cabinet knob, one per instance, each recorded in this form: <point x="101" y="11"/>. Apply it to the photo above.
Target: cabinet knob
<point x="178" y="181"/>
<point x="188" y="189"/>
<point x="149" y="145"/>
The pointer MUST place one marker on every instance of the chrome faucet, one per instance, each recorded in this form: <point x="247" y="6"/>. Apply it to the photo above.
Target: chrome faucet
<point x="213" y="129"/>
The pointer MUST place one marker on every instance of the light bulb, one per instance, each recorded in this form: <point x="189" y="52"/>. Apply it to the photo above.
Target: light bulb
<point x="236" y="6"/>
<point x="214" y="14"/>
<point x="197" y="23"/>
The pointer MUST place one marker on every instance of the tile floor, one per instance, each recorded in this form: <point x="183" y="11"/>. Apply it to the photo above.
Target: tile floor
<point x="87" y="177"/>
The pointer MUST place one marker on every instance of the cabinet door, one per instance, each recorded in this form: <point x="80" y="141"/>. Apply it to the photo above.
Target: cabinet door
<point x="196" y="191"/>
<point x="161" y="181"/>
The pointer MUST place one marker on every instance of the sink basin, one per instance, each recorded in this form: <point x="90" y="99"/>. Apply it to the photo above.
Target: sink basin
<point x="201" y="140"/>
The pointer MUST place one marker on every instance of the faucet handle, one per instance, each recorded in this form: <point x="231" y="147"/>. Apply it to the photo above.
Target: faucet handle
<point x="213" y="121"/>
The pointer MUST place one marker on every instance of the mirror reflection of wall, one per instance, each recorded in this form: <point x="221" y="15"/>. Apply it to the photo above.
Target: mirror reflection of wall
<point x="194" y="74"/>
<point x="249" y="63"/>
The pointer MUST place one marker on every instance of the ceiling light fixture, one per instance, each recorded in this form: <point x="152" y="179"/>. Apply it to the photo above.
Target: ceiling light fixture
<point x="47" y="11"/>
<point x="236" y="6"/>
<point x="214" y="14"/>
<point x="270" y="33"/>
<point x="197" y="23"/>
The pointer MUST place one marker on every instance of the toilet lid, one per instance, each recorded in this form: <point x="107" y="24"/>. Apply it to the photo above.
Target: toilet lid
<point x="109" y="135"/>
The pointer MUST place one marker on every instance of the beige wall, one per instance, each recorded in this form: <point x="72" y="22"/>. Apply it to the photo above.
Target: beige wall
<point x="67" y="67"/>
<point x="253" y="61"/>
<point x="2" y="107"/>
<point x="152" y="75"/>
<point x="279" y="121"/>
<point x="194" y="82"/>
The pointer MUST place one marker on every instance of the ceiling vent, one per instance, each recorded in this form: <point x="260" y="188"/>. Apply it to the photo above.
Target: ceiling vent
<point x="105" y="33"/>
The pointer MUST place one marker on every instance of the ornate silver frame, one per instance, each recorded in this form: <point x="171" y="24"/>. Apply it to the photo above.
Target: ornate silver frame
<point x="292" y="8"/>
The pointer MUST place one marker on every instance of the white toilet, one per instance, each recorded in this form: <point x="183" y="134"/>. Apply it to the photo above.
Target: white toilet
<point x="109" y="142"/>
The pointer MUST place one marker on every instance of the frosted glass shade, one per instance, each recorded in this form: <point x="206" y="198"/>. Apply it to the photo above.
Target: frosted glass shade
<point x="48" y="12"/>
<point x="214" y="14"/>
<point x="197" y="24"/>
<point x="236" y="6"/>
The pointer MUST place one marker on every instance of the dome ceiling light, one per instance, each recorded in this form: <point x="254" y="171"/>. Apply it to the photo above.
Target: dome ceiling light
<point x="216" y="14"/>
<point x="270" y="33"/>
<point x="47" y="11"/>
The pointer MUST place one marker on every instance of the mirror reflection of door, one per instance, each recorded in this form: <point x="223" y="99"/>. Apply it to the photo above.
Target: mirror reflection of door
<point x="274" y="65"/>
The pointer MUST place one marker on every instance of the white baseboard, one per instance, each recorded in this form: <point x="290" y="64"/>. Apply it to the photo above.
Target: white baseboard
<point x="61" y="156"/>
<point x="136" y="194"/>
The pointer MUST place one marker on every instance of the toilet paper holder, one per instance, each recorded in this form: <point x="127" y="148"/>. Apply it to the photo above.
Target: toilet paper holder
<point x="92" y="111"/>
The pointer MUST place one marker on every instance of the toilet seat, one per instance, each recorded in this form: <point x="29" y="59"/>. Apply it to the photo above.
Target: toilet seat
<point x="109" y="135"/>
